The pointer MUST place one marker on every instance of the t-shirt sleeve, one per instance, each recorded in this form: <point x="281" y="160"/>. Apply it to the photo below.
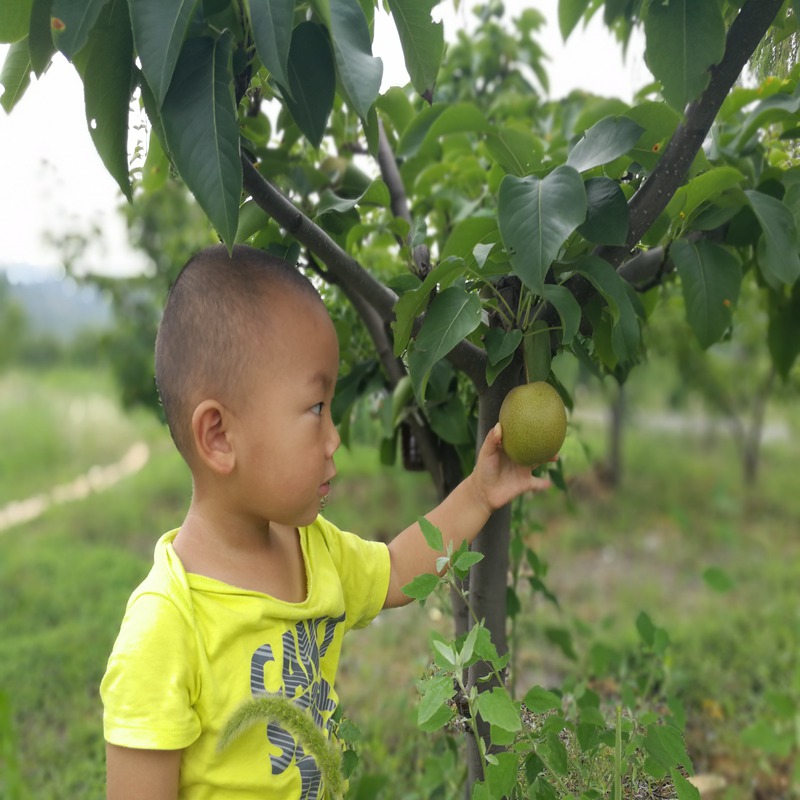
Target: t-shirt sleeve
<point x="364" y="568"/>
<point x="150" y="684"/>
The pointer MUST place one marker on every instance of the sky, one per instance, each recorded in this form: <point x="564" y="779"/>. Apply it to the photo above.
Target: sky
<point x="52" y="181"/>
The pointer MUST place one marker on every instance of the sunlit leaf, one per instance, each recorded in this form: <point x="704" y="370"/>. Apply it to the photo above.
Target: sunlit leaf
<point x="199" y="116"/>
<point x="710" y="280"/>
<point x="702" y="188"/>
<point x="684" y="38"/>
<point x="359" y="71"/>
<point x="536" y="217"/>
<point x="497" y="708"/>
<point x="14" y="16"/>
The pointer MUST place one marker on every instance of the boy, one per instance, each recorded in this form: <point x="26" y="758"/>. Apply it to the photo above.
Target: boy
<point x="255" y="590"/>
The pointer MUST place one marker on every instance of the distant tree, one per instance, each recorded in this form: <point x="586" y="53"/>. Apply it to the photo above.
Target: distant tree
<point x="13" y="325"/>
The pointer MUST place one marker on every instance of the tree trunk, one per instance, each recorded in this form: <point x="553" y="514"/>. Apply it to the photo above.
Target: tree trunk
<point x="489" y="577"/>
<point x="616" y="428"/>
<point x="751" y="446"/>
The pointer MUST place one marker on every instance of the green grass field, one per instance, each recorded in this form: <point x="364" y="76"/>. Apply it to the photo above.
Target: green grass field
<point x="711" y="561"/>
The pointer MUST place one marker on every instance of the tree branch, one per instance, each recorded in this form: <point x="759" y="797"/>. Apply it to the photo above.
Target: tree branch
<point x="655" y="193"/>
<point x="399" y="200"/>
<point x="344" y="269"/>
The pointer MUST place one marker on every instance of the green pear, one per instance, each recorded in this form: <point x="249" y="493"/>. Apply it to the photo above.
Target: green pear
<point x="534" y="423"/>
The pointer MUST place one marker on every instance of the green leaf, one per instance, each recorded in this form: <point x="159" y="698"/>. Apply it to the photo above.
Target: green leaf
<point x="312" y="81"/>
<point x="569" y="14"/>
<point x="14" y="16"/>
<point x="412" y="303"/>
<point x="417" y="130"/>
<point x="437" y="692"/>
<point x="72" y="22"/>
<point x="452" y="316"/>
<point x="467" y="560"/>
<point x="501" y="344"/>
<point x="517" y="151"/>
<point x="702" y="188"/>
<point x="607" y="216"/>
<point x="458" y="118"/>
<point x="567" y="307"/>
<point x="422" y="41"/>
<point x="376" y="194"/>
<point x="40" y="39"/>
<point x="778" y="246"/>
<point x="625" y="334"/>
<point x="433" y="536"/>
<point x="540" y="701"/>
<point x="665" y="744"/>
<point x="718" y="579"/>
<point x="501" y="778"/>
<point x="359" y="71"/>
<point x="603" y="142"/>
<point x="199" y="117"/>
<point x="272" y="22"/>
<point x="684" y="789"/>
<point x="537" y="352"/>
<point x="467" y="233"/>
<point x="536" y="217"/>
<point x="778" y="108"/>
<point x="421" y="587"/>
<point x="684" y="38"/>
<point x="783" y="331"/>
<point x="15" y="75"/>
<point x="497" y="708"/>
<point x="710" y="280"/>
<point x="159" y="28"/>
<point x="106" y="74"/>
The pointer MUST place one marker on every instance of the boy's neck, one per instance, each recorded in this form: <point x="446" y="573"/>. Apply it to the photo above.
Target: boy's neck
<point x="257" y="556"/>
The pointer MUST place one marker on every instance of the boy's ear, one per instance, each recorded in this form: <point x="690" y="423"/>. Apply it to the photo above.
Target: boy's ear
<point x="211" y="440"/>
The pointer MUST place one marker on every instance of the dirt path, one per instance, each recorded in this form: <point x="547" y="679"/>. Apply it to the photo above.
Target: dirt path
<point x="97" y="479"/>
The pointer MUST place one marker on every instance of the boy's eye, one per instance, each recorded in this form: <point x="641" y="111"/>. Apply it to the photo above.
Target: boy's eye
<point x="317" y="409"/>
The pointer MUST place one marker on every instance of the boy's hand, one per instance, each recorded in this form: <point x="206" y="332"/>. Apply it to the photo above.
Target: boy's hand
<point x="498" y="479"/>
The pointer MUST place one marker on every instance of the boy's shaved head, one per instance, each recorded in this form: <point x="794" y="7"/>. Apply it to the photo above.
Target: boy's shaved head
<point x="214" y="317"/>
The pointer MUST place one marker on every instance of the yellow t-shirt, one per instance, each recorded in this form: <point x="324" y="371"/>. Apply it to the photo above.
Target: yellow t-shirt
<point x="192" y="649"/>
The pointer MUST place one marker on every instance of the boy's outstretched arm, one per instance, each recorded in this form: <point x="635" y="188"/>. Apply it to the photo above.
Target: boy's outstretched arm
<point x="495" y="481"/>
<point x="142" y="774"/>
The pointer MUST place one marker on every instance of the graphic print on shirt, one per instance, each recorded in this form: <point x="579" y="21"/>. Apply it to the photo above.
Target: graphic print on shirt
<point x="302" y="682"/>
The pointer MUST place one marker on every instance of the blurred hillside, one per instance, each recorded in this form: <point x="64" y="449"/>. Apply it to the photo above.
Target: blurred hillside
<point x="56" y="306"/>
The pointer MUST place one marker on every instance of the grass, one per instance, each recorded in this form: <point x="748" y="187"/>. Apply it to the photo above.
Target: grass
<point x="65" y="578"/>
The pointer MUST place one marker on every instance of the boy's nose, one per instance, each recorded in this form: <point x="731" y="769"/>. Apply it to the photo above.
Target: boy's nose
<point x="334" y="440"/>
